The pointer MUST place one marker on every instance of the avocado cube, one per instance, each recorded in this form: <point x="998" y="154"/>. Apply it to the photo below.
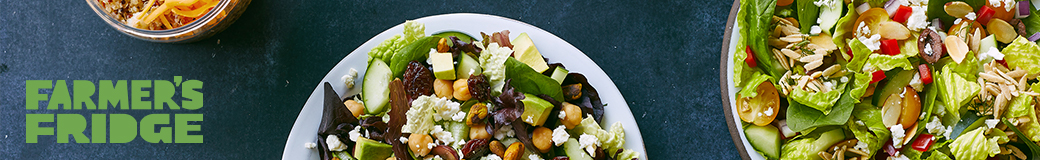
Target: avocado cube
<point x="443" y="67"/>
<point x="536" y="110"/>
<point x="367" y="149"/>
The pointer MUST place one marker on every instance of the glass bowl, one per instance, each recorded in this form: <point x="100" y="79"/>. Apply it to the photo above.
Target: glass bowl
<point x="216" y="20"/>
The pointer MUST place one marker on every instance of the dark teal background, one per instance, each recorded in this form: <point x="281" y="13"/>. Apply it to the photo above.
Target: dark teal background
<point x="662" y="55"/>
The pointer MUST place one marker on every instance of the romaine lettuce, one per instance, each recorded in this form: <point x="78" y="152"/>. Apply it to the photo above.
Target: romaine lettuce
<point x="822" y="101"/>
<point x="1024" y="54"/>
<point x="752" y="84"/>
<point x="872" y="131"/>
<point x="386" y="49"/>
<point x="955" y="90"/>
<point x="889" y="62"/>
<point x="860" y="54"/>
<point x="844" y="27"/>
<point x="759" y="16"/>
<point x="974" y="145"/>
<point x="801" y="149"/>
<point x="1023" y="106"/>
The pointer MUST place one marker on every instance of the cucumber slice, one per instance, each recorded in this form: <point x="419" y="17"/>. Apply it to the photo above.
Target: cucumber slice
<point x="573" y="150"/>
<point x="375" y="88"/>
<point x="829" y="17"/>
<point x="894" y="85"/>
<point x="467" y="65"/>
<point x="462" y="36"/>
<point x="459" y="131"/>
<point x="765" y="139"/>
<point x="828" y="139"/>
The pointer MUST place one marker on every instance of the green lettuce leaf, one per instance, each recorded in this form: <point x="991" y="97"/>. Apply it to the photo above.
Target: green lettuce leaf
<point x="1023" y="106"/>
<point x="819" y="101"/>
<point x="974" y="145"/>
<point x="386" y="49"/>
<point x="955" y="90"/>
<point x="801" y="149"/>
<point x="741" y="71"/>
<point x="752" y="84"/>
<point x="845" y="26"/>
<point x="807" y="10"/>
<point x="1024" y="54"/>
<point x="872" y="131"/>
<point x="938" y="156"/>
<point x="1032" y="22"/>
<point x="526" y="80"/>
<point x="801" y="117"/>
<point x="758" y="18"/>
<point x="889" y="62"/>
<point x="860" y="54"/>
<point x="859" y="85"/>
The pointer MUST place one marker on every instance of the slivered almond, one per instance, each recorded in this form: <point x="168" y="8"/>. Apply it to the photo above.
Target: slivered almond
<point x="813" y="87"/>
<point x="993" y="89"/>
<point x="1006" y="77"/>
<point x="791" y="53"/>
<point x="816" y="75"/>
<point x="792" y="38"/>
<point x="991" y="77"/>
<point x="831" y="70"/>
<point x="1022" y="84"/>
<point x="820" y="52"/>
<point x="802" y="82"/>
<point x="999" y="102"/>
<point x="1017" y="152"/>
<point x="813" y="65"/>
<point x="1030" y="93"/>
<point x="811" y="58"/>
<point x="1018" y="73"/>
<point x="790" y="30"/>
<point x="790" y="61"/>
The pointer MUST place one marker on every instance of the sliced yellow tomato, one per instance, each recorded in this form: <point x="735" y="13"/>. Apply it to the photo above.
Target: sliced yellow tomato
<point x="872" y="18"/>
<point x="762" y="109"/>
<point x="784" y="2"/>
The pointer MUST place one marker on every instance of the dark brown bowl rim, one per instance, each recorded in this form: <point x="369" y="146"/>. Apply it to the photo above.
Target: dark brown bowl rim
<point x="724" y="83"/>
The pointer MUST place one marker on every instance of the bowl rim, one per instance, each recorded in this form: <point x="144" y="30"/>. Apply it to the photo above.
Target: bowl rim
<point x="724" y="83"/>
<point x="168" y="35"/>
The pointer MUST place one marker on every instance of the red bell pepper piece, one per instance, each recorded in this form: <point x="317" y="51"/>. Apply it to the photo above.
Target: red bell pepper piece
<point x="902" y="13"/>
<point x="923" y="142"/>
<point x="985" y="14"/>
<point x="890" y="46"/>
<point x="926" y="73"/>
<point x="849" y="52"/>
<point x="1003" y="62"/>
<point x="750" y="60"/>
<point x="877" y="76"/>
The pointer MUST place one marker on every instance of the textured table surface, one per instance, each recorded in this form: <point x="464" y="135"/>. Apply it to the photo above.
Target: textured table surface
<point x="663" y="56"/>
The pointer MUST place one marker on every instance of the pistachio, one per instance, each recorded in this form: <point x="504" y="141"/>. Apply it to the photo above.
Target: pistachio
<point x="514" y="152"/>
<point x="497" y="148"/>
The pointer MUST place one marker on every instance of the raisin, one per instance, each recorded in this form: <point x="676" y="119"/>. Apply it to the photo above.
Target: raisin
<point x="479" y="87"/>
<point x="476" y="148"/>
<point x="418" y="80"/>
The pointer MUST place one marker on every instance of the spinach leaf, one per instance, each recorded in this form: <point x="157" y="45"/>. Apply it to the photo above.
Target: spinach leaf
<point x="801" y="117"/>
<point x="527" y="80"/>
<point x="807" y="14"/>
<point x="1033" y="148"/>
<point x="415" y="51"/>
<point x="758" y="18"/>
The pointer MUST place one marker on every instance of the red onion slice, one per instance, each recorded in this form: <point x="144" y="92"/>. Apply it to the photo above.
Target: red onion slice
<point x="862" y="8"/>
<point x="1023" y="9"/>
<point x="1034" y="37"/>
<point x="891" y="7"/>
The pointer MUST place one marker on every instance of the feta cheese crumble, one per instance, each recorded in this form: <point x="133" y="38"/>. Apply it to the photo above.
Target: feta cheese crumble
<point x="935" y="127"/>
<point x="348" y="78"/>
<point x="916" y="83"/>
<point x="815" y="30"/>
<point x="441" y="135"/>
<point x="562" y="114"/>
<point x="918" y="19"/>
<point x="534" y="157"/>
<point x="403" y="140"/>
<point x="898" y="134"/>
<point x="491" y="157"/>
<point x="970" y="16"/>
<point x="862" y="147"/>
<point x="334" y="143"/>
<point x="873" y="43"/>
<point x="310" y="145"/>
<point x="355" y="133"/>
<point x="504" y="132"/>
<point x="588" y="142"/>
<point x="560" y="135"/>
<point x="992" y="52"/>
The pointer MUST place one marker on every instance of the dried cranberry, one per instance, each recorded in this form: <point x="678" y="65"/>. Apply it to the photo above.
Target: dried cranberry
<point x="418" y="80"/>
<point x="561" y="158"/>
<point x="476" y="148"/>
<point x="479" y="87"/>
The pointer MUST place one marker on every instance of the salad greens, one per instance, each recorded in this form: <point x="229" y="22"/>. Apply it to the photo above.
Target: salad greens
<point x="898" y="79"/>
<point x="448" y="117"/>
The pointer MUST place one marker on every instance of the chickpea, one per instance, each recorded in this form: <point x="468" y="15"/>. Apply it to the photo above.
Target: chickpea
<point x="542" y="139"/>
<point x="443" y="88"/>
<point x="573" y="115"/>
<point x="419" y="144"/>
<point x="461" y="87"/>
<point x="356" y="108"/>
<point x="477" y="132"/>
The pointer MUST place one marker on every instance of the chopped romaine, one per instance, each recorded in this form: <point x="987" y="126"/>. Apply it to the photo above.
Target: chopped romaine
<point x="974" y="145"/>
<point x="1024" y="54"/>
